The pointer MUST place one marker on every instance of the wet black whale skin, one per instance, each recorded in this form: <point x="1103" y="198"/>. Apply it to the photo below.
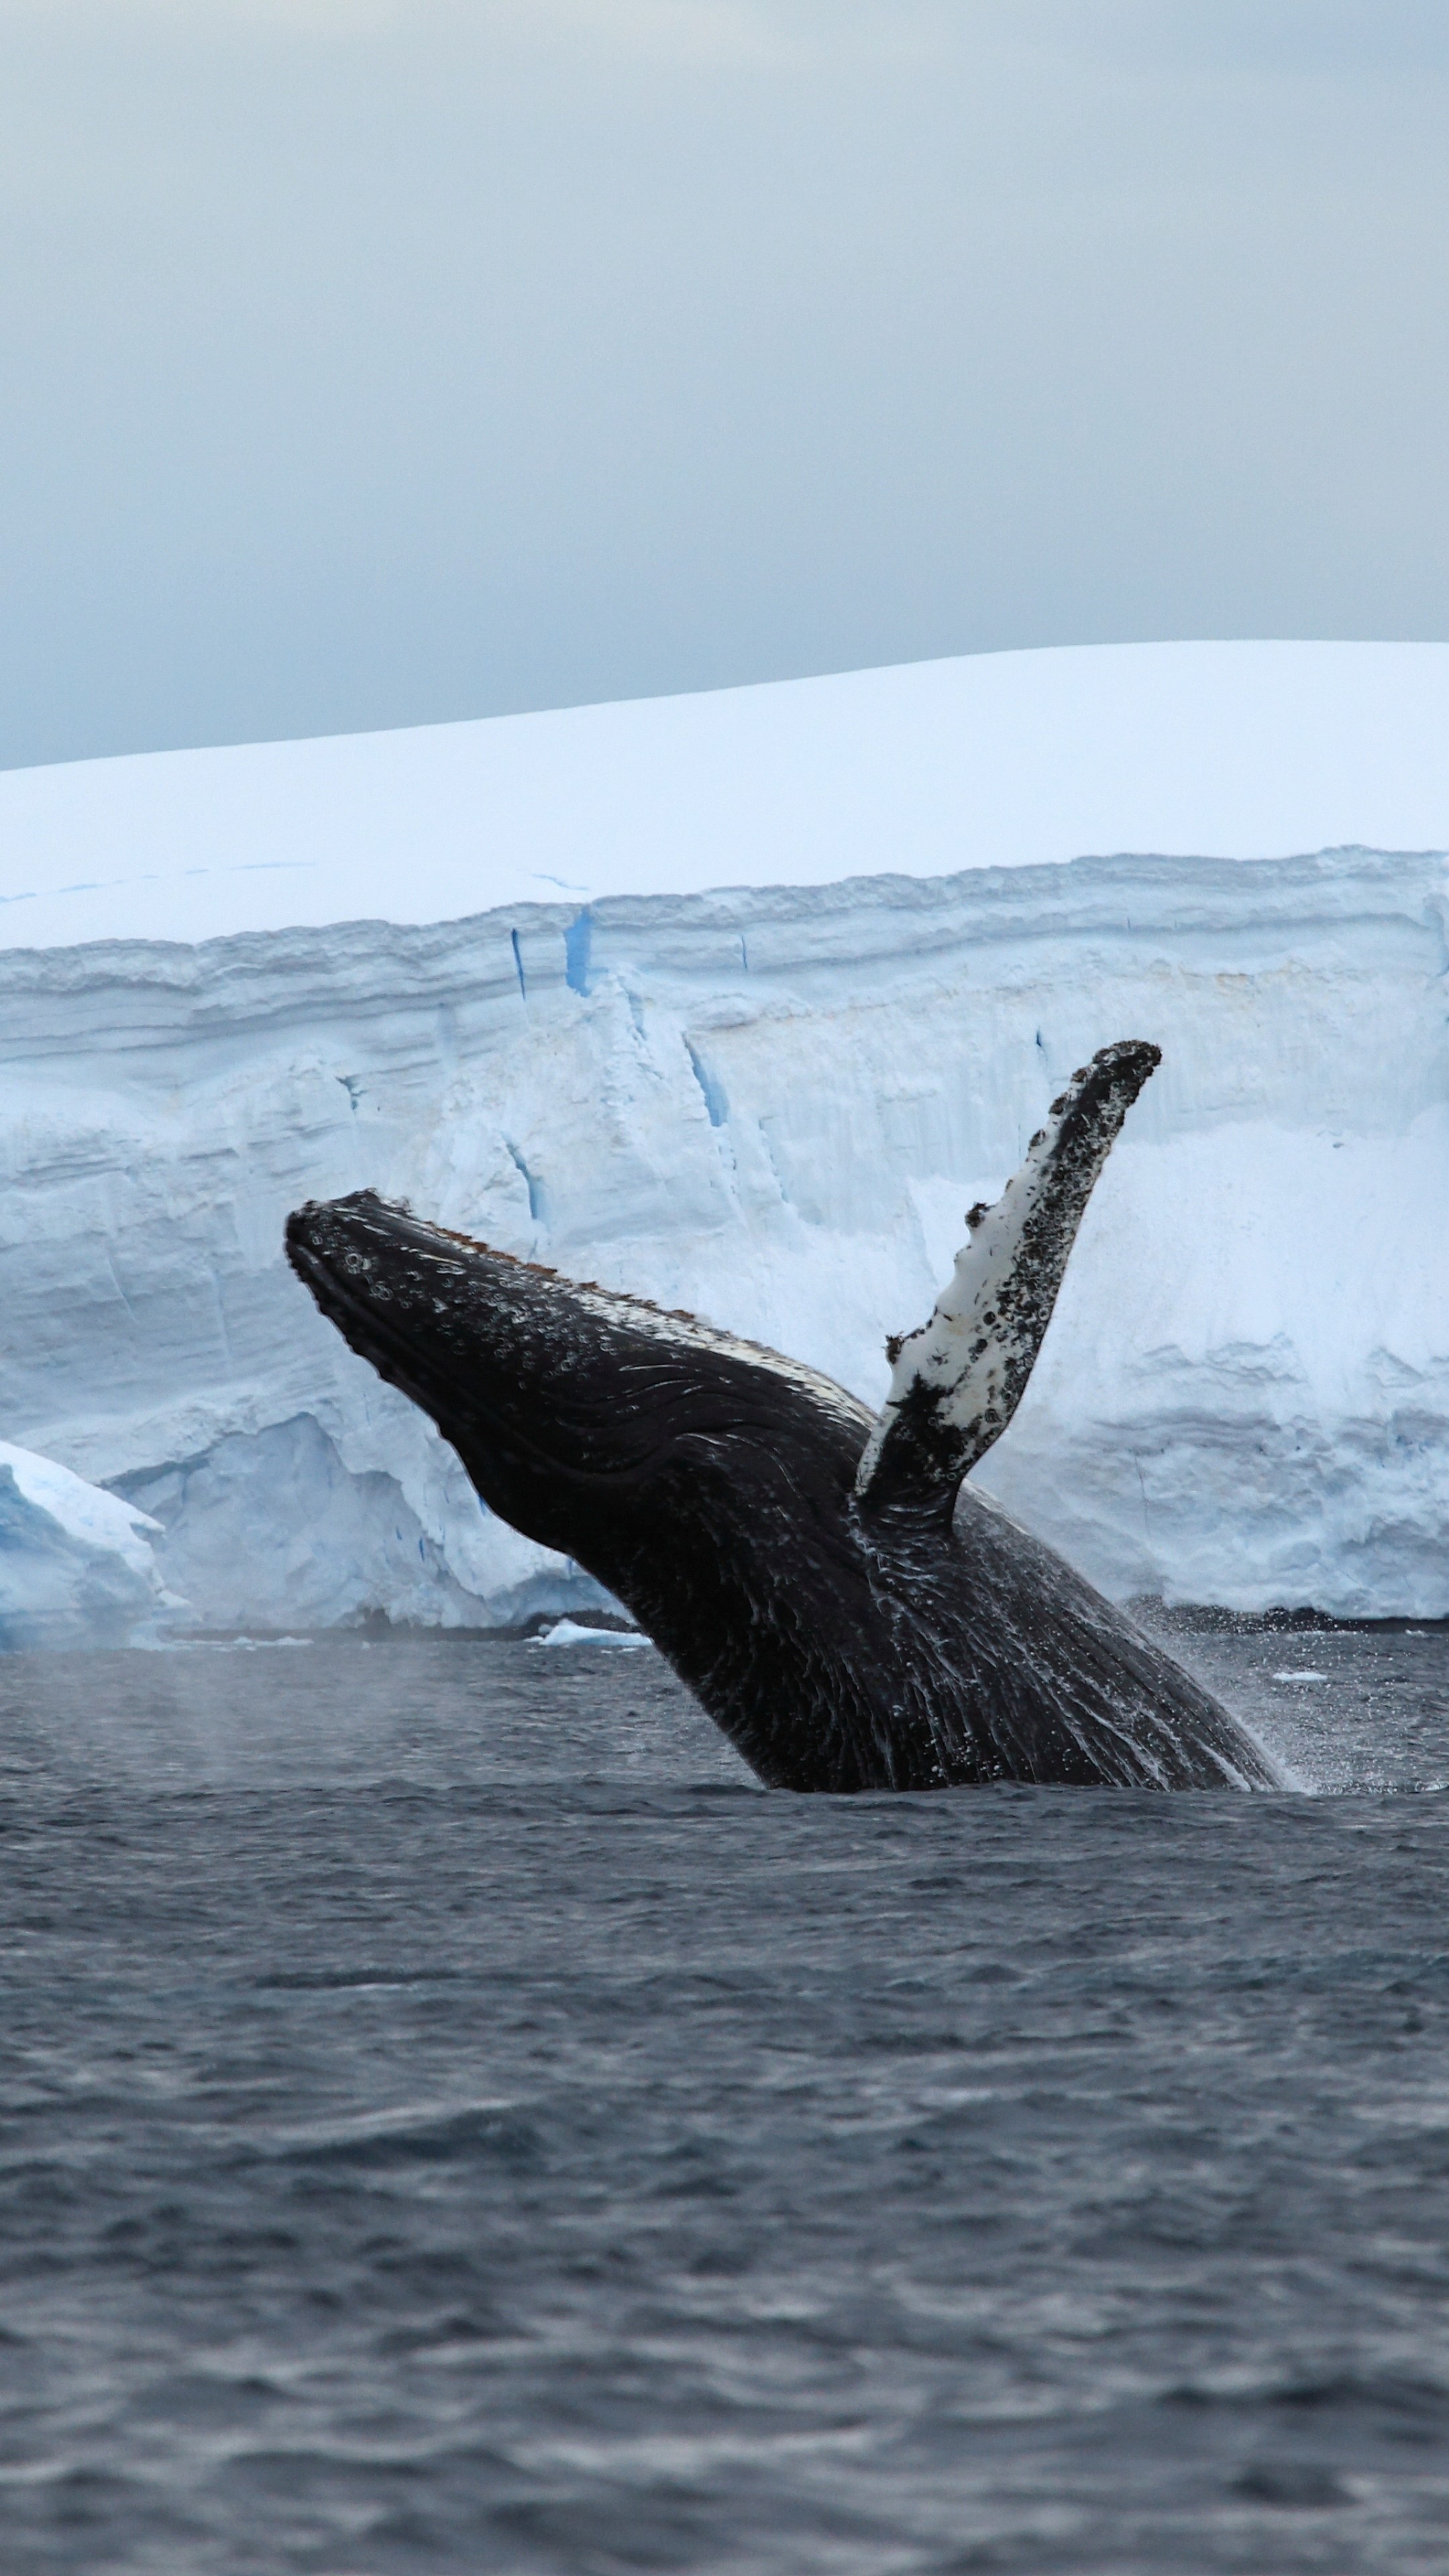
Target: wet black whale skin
<point x="710" y="1485"/>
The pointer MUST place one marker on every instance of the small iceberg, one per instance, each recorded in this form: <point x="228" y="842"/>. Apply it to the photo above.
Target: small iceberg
<point x="571" y="1632"/>
<point x="76" y="1567"/>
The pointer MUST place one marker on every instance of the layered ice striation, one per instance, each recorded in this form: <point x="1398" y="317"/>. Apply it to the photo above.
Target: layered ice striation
<point x="772" y="1106"/>
<point x="76" y="1564"/>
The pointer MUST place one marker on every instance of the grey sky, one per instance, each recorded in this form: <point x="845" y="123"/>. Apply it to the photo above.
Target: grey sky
<point x="372" y="361"/>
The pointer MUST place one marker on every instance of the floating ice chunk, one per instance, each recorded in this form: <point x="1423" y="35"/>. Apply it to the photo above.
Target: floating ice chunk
<point x="76" y="1564"/>
<point x="570" y="1632"/>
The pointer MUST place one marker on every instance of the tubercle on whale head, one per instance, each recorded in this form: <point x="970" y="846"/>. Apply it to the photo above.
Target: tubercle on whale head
<point x="349" y="1232"/>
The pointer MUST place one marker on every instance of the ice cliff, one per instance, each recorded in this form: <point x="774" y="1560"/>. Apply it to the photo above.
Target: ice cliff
<point x="772" y="1105"/>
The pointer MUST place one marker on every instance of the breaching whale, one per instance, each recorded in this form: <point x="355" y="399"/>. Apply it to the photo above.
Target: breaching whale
<point x="847" y="1611"/>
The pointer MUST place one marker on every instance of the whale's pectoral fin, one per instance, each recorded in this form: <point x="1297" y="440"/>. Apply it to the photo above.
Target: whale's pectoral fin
<point x="957" y="1382"/>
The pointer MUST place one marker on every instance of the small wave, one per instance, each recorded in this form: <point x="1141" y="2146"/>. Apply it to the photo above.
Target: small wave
<point x="230" y="1645"/>
<point x="327" y="1981"/>
<point x="420" y="2134"/>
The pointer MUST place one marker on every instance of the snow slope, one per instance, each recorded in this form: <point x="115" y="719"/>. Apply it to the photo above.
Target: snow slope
<point x="773" y="1105"/>
<point x="999" y="759"/>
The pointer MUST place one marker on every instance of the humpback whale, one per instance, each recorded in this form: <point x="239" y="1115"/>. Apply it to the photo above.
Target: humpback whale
<point x="848" y="1612"/>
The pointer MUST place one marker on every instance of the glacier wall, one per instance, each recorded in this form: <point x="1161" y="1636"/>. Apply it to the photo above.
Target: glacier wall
<point x="773" y="1106"/>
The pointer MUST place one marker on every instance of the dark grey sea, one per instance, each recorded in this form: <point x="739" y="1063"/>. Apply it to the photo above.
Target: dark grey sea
<point x="454" y="2120"/>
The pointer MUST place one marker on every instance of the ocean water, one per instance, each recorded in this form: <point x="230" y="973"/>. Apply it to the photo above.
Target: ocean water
<point x="451" y="2119"/>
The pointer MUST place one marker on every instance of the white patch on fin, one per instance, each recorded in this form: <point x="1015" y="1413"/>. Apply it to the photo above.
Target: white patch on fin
<point x="956" y="1382"/>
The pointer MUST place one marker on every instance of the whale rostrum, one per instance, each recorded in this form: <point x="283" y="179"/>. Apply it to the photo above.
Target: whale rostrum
<point x="849" y="1613"/>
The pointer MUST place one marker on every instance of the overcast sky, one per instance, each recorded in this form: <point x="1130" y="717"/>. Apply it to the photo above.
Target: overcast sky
<point x="373" y="361"/>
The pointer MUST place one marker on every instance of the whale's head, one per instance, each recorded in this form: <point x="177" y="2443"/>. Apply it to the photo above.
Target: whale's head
<point x="645" y="1445"/>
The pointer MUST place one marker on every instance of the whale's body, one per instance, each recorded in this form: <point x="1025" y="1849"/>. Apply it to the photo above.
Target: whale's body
<point x="848" y="1612"/>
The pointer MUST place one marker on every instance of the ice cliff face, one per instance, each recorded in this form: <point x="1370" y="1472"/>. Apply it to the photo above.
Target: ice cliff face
<point x="772" y="1106"/>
